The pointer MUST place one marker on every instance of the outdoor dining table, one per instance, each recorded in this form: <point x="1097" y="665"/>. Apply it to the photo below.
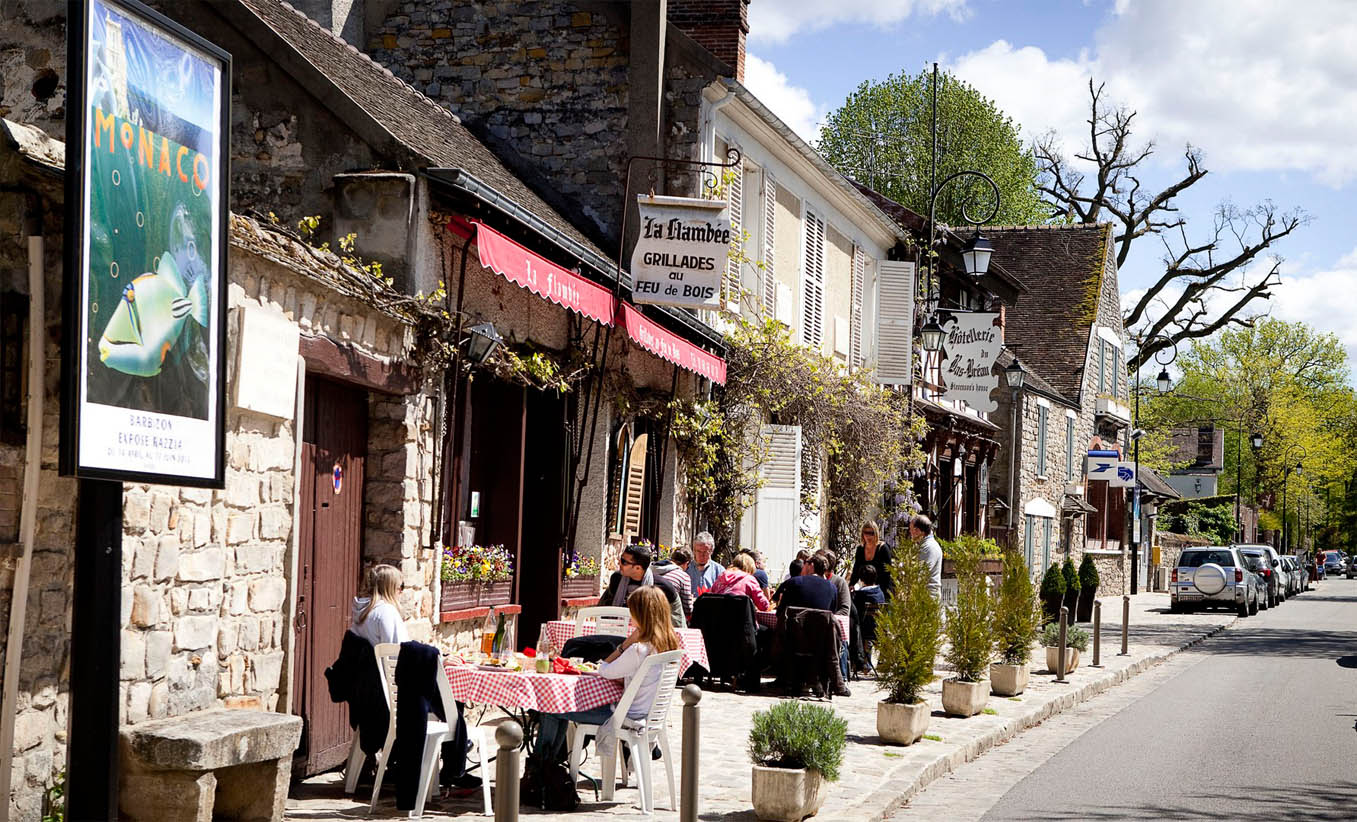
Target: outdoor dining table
<point x="768" y="619"/>
<point x="690" y="641"/>
<point x="529" y="690"/>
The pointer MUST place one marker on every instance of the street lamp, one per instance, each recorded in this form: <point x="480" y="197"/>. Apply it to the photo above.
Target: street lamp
<point x="933" y="335"/>
<point x="1286" y="475"/>
<point x="1257" y="442"/>
<point x="1014" y="375"/>
<point x="1163" y="384"/>
<point x="482" y="340"/>
<point x="976" y="254"/>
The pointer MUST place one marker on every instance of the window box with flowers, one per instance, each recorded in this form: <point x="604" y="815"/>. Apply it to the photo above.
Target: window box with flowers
<point x="579" y="578"/>
<point x="475" y="576"/>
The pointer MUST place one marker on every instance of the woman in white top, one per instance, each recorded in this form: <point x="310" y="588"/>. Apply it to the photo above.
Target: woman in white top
<point x="377" y="617"/>
<point x="654" y="634"/>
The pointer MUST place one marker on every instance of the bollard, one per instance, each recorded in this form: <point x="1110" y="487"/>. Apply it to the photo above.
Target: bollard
<point x="1125" y="623"/>
<point x="1097" y="634"/>
<point x="691" y="728"/>
<point x="509" y="735"/>
<point x="1060" y="657"/>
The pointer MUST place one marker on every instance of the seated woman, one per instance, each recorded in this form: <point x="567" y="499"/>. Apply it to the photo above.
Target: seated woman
<point x="377" y="617"/>
<point x="739" y="579"/>
<point x="654" y="634"/>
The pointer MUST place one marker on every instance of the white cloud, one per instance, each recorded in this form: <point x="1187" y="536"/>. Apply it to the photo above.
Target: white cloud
<point x="775" y="21"/>
<point x="1257" y="84"/>
<point x="792" y="104"/>
<point x="1318" y="298"/>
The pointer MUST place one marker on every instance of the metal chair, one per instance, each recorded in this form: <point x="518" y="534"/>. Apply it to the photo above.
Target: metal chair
<point x="608" y="619"/>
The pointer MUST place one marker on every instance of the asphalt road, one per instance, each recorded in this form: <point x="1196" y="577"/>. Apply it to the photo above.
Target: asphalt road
<point x="1260" y="725"/>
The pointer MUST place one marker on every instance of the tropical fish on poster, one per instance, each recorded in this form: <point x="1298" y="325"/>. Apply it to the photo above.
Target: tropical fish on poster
<point x="151" y="316"/>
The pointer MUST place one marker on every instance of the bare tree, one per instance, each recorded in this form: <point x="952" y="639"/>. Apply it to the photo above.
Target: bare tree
<point x="1207" y="284"/>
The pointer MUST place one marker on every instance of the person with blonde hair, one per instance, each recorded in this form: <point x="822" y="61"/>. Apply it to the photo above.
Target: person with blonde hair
<point x="654" y="634"/>
<point x="739" y="579"/>
<point x="377" y="616"/>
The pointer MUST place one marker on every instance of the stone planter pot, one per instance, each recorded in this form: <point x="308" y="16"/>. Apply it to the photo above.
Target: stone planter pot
<point x="1053" y="656"/>
<point x="1086" y="597"/>
<point x="459" y="596"/>
<point x="900" y="724"/>
<point x="964" y="698"/>
<point x="1008" y="680"/>
<point x="787" y="794"/>
<point x="580" y="587"/>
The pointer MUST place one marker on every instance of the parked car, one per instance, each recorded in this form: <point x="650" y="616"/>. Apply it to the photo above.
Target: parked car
<point x="1294" y="583"/>
<point x="1269" y="569"/>
<point x="1333" y="564"/>
<point x="1215" y="576"/>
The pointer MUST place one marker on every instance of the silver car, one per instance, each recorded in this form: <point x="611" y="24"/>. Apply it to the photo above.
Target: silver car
<point x="1217" y="576"/>
<point x="1271" y="561"/>
<point x="1294" y="584"/>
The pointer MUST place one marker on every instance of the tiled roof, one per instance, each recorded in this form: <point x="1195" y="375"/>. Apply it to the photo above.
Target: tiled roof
<point x="1154" y="483"/>
<point x="1062" y="267"/>
<point x="412" y="120"/>
<point x="1032" y="380"/>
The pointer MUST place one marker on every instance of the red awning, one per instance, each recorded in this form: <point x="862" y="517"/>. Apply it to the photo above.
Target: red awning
<point x="670" y="346"/>
<point x="543" y="277"/>
<point x="568" y="289"/>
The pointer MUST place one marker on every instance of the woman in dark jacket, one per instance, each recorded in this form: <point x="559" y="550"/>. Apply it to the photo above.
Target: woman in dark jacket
<point x="875" y="553"/>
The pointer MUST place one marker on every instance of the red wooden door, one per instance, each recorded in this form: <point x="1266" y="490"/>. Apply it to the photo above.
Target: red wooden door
<point x="330" y="548"/>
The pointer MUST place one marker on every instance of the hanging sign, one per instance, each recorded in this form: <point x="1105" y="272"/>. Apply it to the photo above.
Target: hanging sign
<point x="147" y="143"/>
<point x="682" y="251"/>
<point x="968" y="355"/>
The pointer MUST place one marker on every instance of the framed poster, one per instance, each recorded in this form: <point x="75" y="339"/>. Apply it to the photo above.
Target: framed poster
<point x="147" y="167"/>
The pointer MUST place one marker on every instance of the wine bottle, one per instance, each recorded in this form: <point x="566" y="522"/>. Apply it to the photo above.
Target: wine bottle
<point x="497" y="647"/>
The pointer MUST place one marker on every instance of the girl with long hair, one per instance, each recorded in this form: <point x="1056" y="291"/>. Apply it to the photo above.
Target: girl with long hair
<point x="377" y="617"/>
<point x="654" y="634"/>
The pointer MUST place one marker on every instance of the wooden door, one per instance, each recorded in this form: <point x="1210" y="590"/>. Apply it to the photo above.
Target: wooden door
<point x="329" y="562"/>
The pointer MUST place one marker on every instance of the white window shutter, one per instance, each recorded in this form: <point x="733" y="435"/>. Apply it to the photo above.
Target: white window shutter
<point x="778" y="500"/>
<point x="785" y="302"/>
<point x="855" y="335"/>
<point x="636" y="483"/>
<point x="813" y="286"/>
<point x="895" y="323"/>
<point x="770" y="283"/>
<point x="735" y="200"/>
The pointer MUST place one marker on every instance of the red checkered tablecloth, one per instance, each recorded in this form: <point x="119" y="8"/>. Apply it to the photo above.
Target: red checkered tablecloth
<point x="769" y="619"/>
<point x="548" y="693"/>
<point x="690" y="640"/>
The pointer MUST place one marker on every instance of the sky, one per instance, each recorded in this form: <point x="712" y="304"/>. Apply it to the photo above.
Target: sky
<point x="1269" y="96"/>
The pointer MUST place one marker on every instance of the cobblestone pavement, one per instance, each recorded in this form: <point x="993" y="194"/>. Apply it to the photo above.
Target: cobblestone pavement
<point x="876" y="778"/>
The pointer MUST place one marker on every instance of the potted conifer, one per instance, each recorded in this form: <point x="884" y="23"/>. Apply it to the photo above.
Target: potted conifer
<point x="1076" y="642"/>
<point x="1017" y="619"/>
<point x="1071" y="575"/>
<point x="970" y="637"/>
<point x="1052" y="592"/>
<point x="1088" y="588"/>
<point x="796" y="748"/>
<point x="908" y="634"/>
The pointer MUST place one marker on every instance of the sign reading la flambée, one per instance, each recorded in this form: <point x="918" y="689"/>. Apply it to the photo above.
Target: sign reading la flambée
<point x="682" y="251"/>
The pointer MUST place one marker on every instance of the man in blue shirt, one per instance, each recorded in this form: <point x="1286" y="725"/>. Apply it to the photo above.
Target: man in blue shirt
<point x="811" y="590"/>
<point x="703" y="570"/>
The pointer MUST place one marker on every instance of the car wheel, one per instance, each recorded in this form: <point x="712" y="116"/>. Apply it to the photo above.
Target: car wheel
<point x="1253" y="610"/>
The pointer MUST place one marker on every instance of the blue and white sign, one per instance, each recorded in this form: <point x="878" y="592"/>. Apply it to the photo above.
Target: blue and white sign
<point x="1116" y="473"/>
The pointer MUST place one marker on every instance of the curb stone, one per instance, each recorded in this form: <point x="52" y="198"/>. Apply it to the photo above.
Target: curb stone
<point x="894" y="793"/>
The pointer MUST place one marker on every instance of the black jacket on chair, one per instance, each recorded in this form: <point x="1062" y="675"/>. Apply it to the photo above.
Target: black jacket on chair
<point x="417" y="696"/>
<point x="810" y="651"/>
<point x="730" y="633"/>
<point x="354" y="678"/>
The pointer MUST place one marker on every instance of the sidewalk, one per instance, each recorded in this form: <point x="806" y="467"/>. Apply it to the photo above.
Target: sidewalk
<point x="876" y="778"/>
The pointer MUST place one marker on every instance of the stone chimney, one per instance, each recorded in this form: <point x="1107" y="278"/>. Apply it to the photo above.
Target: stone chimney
<point x="719" y="26"/>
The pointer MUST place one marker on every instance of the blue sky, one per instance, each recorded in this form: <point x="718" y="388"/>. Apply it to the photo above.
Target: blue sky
<point x="1269" y="96"/>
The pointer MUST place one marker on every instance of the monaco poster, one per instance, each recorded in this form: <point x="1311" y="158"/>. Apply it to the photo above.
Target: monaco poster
<point x="149" y="382"/>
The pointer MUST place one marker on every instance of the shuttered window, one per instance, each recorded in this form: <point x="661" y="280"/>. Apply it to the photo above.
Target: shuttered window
<point x="1116" y="370"/>
<point x="1029" y="522"/>
<point x="1102" y="365"/>
<point x="633" y="498"/>
<point x="813" y="284"/>
<point x="778" y="499"/>
<point x="855" y="318"/>
<point x="1042" y="418"/>
<point x="895" y="323"/>
<point x="735" y="200"/>
<point x="1069" y="449"/>
<point x="770" y="298"/>
<point x="1046" y="543"/>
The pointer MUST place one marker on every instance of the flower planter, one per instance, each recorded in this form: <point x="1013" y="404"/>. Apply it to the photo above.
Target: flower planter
<point x="459" y="596"/>
<point x="1053" y="657"/>
<point x="1086" y="598"/>
<point x="989" y="567"/>
<point x="901" y="724"/>
<point x="787" y="794"/>
<point x="579" y="587"/>
<point x="964" y="698"/>
<point x="1007" y="680"/>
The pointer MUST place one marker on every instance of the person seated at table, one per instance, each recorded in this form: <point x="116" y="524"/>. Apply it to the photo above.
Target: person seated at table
<point x="377" y="616"/>
<point x="739" y="579"/>
<point x="675" y="570"/>
<point x="760" y="573"/>
<point x="634" y="572"/>
<point x="811" y="589"/>
<point x="799" y="566"/>
<point x="654" y="634"/>
<point x="703" y="570"/>
<point x="844" y="601"/>
<point x="867" y="589"/>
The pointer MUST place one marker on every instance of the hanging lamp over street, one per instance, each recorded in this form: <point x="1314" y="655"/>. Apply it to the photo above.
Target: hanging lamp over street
<point x="933" y="335"/>
<point x="482" y="340"/>
<point x="977" y="254"/>
<point x="1014" y="374"/>
<point x="1164" y="383"/>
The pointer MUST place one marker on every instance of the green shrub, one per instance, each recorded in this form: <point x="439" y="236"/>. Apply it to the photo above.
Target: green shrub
<point x="1053" y="584"/>
<point x="795" y="734"/>
<point x="908" y="631"/>
<point x="1017" y="614"/>
<point x="1088" y="573"/>
<point x="970" y="623"/>
<point x="970" y="543"/>
<point x="1071" y="576"/>
<point x="1075" y="637"/>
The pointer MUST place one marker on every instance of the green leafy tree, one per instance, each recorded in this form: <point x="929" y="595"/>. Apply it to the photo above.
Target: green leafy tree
<point x="881" y="137"/>
<point x="970" y="623"/>
<point x="1088" y="573"/>
<point x="1017" y="614"/>
<point x="908" y="632"/>
<point x="1071" y="576"/>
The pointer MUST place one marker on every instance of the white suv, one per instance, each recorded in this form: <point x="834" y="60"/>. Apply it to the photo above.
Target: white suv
<point x="1214" y="575"/>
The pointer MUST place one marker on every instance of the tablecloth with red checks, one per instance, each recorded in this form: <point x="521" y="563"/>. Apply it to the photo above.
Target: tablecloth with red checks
<point x="769" y="619"/>
<point x="548" y="693"/>
<point x="690" y="641"/>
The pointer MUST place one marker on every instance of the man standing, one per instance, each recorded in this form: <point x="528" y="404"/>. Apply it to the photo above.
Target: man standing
<point x="703" y="570"/>
<point x="930" y="553"/>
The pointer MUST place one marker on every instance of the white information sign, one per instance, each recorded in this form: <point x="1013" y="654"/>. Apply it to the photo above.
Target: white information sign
<point x="972" y="345"/>
<point x="682" y="251"/>
<point x="266" y="372"/>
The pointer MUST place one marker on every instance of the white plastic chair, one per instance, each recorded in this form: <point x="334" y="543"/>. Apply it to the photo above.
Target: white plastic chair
<point x="609" y="620"/>
<point x="637" y="734"/>
<point x="356" y="755"/>
<point x="436" y="731"/>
